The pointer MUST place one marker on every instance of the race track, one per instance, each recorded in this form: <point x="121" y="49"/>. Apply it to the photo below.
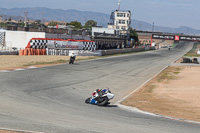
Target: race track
<point x="51" y="99"/>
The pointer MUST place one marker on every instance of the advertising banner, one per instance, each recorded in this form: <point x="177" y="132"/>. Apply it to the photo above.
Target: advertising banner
<point x="64" y="44"/>
<point x="189" y="38"/>
<point x="43" y="43"/>
<point x="158" y="36"/>
<point x="175" y="37"/>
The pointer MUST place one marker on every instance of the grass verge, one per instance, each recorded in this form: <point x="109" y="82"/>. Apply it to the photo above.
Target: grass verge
<point x="45" y="63"/>
<point x="192" y="52"/>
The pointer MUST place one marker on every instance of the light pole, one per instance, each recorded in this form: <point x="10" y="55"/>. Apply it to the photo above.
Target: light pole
<point x="153" y="27"/>
<point x="26" y="14"/>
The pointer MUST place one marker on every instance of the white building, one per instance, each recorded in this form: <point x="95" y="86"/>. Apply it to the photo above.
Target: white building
<point x="17" y="39"/>
<point x="120" y="20"/>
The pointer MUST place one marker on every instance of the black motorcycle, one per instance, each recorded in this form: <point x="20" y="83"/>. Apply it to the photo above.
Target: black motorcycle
<point x="72" y="59"/>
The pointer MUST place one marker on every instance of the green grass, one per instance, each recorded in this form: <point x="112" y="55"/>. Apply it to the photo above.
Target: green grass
<point x="191" y="55"/>
<point x="192" y="52"/>
<point x="174" y="45"/>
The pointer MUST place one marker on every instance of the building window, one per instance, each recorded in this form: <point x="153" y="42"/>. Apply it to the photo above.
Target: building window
<point x="121" y="21"/>
<point x="124" y="27"/>
<point x="117" y="22"/>
<point x="121" y="15"/>
<point x="127" y="21"/>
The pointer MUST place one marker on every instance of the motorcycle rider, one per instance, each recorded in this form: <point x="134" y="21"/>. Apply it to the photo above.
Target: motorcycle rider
<point x="100" y="97"/>
<point x="101" y="92"/>
<point x="72" y="57"/>
<point x="169" y="47"/>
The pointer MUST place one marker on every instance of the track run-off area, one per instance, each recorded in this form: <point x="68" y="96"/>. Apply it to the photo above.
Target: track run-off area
<point x="52" y="99"/>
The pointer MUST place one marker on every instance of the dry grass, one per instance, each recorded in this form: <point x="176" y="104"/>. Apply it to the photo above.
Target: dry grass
<point x="14" y="61"/>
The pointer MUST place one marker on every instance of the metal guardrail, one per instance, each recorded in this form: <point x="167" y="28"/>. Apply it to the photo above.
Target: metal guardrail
<point x="8" y="52"/>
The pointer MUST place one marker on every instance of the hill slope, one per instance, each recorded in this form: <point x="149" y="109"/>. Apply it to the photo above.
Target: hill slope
<point x="82" y="16"/>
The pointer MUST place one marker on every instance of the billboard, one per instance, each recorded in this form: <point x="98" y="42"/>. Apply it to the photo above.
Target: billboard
<point x="189" y="38"/>
<point x="161" y="36"/>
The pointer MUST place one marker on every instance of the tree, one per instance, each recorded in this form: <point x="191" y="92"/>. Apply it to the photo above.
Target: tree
<point x="91" y="23"/>
<point x="134" y="35"/>
<point x="77" y="25"/>
<point x="52" y="23"/>
<point x="3" y="25"/>
<point x="38" y="21"/>
<point x="9" y="19"/>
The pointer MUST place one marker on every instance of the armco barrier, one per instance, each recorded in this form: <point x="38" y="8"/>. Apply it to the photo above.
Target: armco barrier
<point x="9" y="52"/>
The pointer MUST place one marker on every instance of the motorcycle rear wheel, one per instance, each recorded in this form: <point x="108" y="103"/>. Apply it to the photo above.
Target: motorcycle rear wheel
<point x="71" y="61"/>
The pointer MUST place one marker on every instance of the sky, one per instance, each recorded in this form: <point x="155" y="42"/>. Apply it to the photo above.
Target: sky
<point x="168" y="13"/>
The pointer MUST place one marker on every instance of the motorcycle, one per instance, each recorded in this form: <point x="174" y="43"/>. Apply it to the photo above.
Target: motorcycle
<point x="72" y="59"/>
<point x="100" y="97"/>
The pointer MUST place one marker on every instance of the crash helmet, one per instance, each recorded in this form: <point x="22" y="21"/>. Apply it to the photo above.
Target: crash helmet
<point x="98" y="90"/>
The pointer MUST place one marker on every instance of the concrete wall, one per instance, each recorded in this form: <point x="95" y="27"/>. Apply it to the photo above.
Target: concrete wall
<point x="20" y="39"/>
<point x="127" y="50"/>
<point x="6" y="52"/>
<point x="98" y="52"/>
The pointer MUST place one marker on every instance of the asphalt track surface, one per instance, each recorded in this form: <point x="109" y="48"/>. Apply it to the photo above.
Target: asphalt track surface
<point x="51" y="99"/>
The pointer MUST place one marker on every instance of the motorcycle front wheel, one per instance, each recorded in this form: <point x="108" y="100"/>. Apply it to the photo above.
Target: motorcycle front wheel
<point x="103" y="101"/>
<point x="87" y="100"/>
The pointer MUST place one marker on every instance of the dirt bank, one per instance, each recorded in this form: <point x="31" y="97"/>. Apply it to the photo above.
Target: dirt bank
<point x="175" y="93"/>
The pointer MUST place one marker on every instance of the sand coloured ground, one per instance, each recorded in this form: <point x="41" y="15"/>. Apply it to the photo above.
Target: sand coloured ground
<point x="175" y="93"/>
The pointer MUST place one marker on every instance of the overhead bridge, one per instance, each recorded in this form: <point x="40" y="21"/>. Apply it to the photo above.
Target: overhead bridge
<point x="175" y="37"/>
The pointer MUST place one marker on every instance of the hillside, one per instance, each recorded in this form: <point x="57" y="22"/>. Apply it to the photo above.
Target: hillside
<point x="82" y="16"/>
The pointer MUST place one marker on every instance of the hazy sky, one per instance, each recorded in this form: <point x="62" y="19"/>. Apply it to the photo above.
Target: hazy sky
<point x="169" y="13"/>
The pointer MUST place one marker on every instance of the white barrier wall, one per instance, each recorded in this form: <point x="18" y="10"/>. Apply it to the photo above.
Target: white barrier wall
<point x="20" y="39"/>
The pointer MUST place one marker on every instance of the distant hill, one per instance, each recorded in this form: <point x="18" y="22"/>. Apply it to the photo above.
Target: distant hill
<point x="82" y="16"/>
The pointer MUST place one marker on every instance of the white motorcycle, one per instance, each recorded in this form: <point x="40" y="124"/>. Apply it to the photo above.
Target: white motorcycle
<point x="100" y="97"/>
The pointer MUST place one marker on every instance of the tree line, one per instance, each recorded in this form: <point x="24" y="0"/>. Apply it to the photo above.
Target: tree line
<point x="75" y="25"/>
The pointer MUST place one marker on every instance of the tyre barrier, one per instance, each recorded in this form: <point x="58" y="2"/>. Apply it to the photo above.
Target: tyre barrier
<point x="31" y="51"/>
<point x="188" y="60"/>
<point x="195" y="60"/>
